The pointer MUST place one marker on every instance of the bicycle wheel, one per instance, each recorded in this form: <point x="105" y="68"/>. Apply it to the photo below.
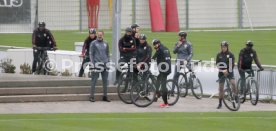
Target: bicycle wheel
<point x="142" y="94"/>
<point x="173" y="93"/>
<point x="229" y="100"/>
<point x="182" y="84"/>
<point x="254" y="92"/>
<point x="196" y="88"/>
<point x="242" y="92"/>
<point x="123" y="88"/>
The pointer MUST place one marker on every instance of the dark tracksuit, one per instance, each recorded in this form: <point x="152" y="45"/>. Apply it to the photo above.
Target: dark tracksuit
<point x="184" y="53"/>
<point x="162" y="55"/>
<point x="246" y="58"/>
<point x="41" y="39"/>
<point x="99" y="53"/>
<point x="144" y="52"/>
<point x="85" y="52"/>
<point x="226" y="58"/>
<point x="127" y="48"/>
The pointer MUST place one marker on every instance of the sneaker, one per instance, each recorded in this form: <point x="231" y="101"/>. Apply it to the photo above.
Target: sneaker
<point x="92" y="99"/>
<point x="164" y="105"/>
<point x="115" y="83"/>
<point x="106" y="99"/>
<point x="219" y="106"/>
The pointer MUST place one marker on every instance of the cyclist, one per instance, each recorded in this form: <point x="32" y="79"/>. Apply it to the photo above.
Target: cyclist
<point x="144" y="52"/>
<point x="85" y="49"/>
<point x="163" y="58"/>
<point x="184" y="51"/>
<point x="135" y="33"/>
<point x="41" y="37"/>
<point x="127" y="48"/>
<point x="99" y="57"/>
<point x="225" y="62"/>
<point x="246" y="57"/>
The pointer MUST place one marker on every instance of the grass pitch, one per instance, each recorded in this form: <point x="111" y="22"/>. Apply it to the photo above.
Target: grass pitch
<point x="205" y="44"/>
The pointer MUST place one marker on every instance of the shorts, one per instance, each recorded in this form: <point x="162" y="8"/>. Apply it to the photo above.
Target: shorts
<point x="230" y="77"/>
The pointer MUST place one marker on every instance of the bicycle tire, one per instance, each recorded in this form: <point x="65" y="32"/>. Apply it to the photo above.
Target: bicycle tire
<point x="256" y="90"/>
<point x="173" y="94"/>
<point x="229" y="102"/>
<point x="123" y="89"/>
<point x="182" y="84"/>
<point x="196" y="88"/>
<point x="142" y="94"/>
<point x="242" y="93"/>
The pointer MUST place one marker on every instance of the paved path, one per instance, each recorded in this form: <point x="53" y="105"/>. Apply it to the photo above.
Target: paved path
<point x="189" y="104"/>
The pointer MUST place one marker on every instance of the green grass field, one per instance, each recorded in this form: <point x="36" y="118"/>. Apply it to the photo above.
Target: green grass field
<point x="205" y="44"/>
<point x="231" y="121"/>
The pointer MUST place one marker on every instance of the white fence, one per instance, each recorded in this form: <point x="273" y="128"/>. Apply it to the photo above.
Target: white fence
<point x="72" y="14"/>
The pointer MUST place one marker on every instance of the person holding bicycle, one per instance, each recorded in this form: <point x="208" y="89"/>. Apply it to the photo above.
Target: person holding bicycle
<point x="144" y="52"/>
<point x="85" y="49"/>
<point x="184" y="51"/>
<point x="127" y="48"/>
<point x="99" y="57"/>
<point x="225" y="62"/>
<point x="41" y="37"/>
<point x="163" y="58"/>
<point x="246" y="57"/>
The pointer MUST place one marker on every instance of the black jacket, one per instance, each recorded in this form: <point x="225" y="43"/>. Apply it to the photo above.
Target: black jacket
<point x="246" y="58"/>
<point x="86" y="45"/>
<point x="144" y="53"/>
<point x="162" y="55"/>
<point x="227" y="59"/>
<point x="43" y="38"/>
<point x="127" y="46"/>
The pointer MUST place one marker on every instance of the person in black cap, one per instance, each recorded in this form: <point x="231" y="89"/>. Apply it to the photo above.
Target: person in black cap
<point x="41" y="37"/>
<point x="135" y="33"/>
<point x="85" y="49"/>
<point x="163" y="58"/>
<point x="127" y="48"/>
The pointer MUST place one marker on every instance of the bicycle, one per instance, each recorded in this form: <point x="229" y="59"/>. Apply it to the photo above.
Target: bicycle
<point x="172" y="87"/>
<point x="230" y="99"/>
<point x="126" y="82"/>
<point x="43" y="62"/>
<point x="188" y="80"/>
<point x="144" y="92"/>
<point x="251" y="88"/>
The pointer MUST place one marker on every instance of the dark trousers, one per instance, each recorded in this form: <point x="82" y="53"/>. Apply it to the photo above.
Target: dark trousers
<point x="36" y="54"/>
<point x="242" y="76"/>
<point x="95" y="76"/>
<point x="83" y="65"/>
<point x="161" y="80"/>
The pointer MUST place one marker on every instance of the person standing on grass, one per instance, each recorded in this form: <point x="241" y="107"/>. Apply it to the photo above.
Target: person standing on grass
<point x="225" y="62"/>
<point x="246" y="57"/>
<point x="163" y="58"/>
<point x="85" y="49"/>
<point x="99" y="57"/>
<point x="41" y="37"/>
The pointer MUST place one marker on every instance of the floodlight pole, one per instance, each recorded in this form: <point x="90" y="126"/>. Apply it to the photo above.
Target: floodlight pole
<point x="116" y="34"/>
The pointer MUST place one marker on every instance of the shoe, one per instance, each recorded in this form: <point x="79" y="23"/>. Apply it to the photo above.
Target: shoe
<point x="92" y="99"/>
<point x="155" y="99"/>
<point x="219" y="106"/>
<point x="115" y="83"/>
<point x="164" y="105"/>
<point x="106" y="99"/>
